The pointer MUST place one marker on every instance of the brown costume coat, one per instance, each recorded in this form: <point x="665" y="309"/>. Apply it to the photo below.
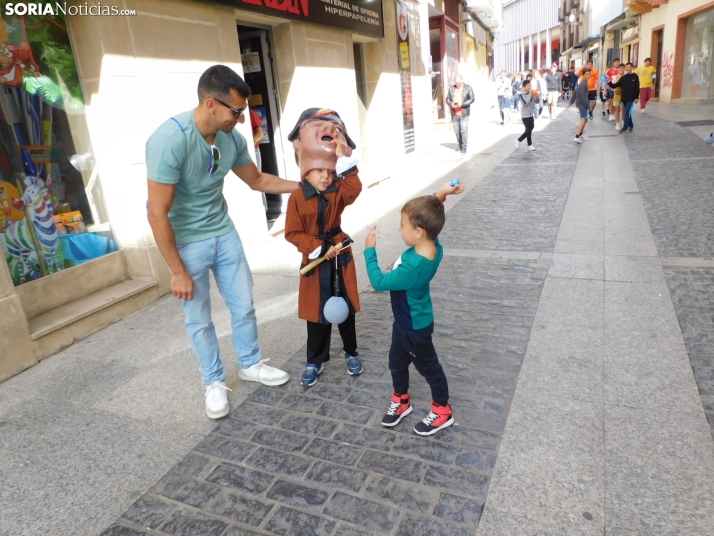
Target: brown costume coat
<point x="302" y="227"/>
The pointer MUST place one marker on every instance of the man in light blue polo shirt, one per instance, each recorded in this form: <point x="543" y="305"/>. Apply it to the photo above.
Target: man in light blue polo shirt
<point x="187" y="159"/>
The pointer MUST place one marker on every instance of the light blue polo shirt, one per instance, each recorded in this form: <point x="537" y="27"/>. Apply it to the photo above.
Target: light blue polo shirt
<point x="182" y="157"/>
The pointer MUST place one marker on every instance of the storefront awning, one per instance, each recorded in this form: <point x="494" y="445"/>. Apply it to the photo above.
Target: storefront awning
<point x="624" y="23"/>
<point x="586" y="42"/>
<point x="630" y="34"/>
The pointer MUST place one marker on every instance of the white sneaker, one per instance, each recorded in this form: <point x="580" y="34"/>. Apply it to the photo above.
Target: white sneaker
<point x="642" y="110"/>
<point x="584" y="138"/>
<point x="517" y="143"/>
<point x="531" y="148"/>
<point x="611" y="118"/>
<point x="260" y="372"/>
<point x="618" y="126"/>
<point x="578" y="140"/>
<point x="216" y="400"/>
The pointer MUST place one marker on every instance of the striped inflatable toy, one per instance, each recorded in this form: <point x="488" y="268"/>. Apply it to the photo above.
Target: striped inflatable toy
<point x="40" y="210"/>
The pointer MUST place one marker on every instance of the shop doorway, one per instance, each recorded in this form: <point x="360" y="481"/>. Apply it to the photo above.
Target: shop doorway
<point x="259" y="73"/>
<point x="445" y="57"/>
<point x="657" y="37"/>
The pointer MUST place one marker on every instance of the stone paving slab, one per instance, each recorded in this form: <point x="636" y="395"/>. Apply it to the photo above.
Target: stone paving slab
<point x="605" y="423"/>
<point x="678" y="199"/>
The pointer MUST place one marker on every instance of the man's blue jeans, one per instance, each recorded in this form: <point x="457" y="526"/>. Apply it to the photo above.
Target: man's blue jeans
<point x="628" y="116"/>
<point x="223" y="255"/>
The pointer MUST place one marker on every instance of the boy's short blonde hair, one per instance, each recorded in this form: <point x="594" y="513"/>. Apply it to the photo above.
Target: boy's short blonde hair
<point x="426" y="212"/>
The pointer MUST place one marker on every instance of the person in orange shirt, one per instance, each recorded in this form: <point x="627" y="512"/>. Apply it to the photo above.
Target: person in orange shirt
<point x="593" y="85"/>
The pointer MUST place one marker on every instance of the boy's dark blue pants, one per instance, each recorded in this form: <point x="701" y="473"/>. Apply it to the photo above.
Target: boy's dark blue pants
<point x="416" y="347"/>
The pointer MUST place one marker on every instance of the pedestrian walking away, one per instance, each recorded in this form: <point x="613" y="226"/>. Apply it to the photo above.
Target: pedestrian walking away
<point x="459" y="100"/>
<point x="646" y="73"/>
<point x="187" y="159"/>
<point x="528" y="104"/>
<point x="408" y="284"/>
<point x="503" y="90"/>
<point x="593" y="82"/>
<point x="629" y="83"/>
<point x="552" y="81"/>
<point x="581" y="99"/>
<point x="566" y="86"/>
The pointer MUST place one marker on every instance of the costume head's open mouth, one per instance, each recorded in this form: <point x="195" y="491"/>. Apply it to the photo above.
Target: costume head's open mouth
<point x="316" y="137"/>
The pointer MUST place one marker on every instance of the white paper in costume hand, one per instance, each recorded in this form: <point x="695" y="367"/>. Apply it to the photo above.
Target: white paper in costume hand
<point x="315" y="254"/>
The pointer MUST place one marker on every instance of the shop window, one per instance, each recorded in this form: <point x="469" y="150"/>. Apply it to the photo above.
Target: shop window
<point x="46" y="204"/>
<point x="697" y="64"/>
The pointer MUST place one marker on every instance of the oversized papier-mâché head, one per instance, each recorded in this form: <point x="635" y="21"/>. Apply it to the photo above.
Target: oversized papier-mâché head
<point x="315" y="139"/>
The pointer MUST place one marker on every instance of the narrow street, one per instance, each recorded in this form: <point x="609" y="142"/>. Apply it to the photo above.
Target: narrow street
<point x="574" y="318"/>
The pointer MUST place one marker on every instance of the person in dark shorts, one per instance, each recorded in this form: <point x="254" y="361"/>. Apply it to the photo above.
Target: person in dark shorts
<point x="581" y="99"/>
<point x="593" y="81"/>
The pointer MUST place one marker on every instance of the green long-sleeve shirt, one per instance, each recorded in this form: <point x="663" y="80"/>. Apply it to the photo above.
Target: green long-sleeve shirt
<point x="408" y="285"/>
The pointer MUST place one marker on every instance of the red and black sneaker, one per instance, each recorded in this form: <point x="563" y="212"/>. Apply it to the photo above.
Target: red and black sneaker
<point x="400" y="407"/>
<point x="439" y="417"/>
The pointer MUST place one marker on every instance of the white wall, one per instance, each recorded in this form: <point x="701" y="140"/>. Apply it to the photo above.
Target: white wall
<point x="602" y="12"/>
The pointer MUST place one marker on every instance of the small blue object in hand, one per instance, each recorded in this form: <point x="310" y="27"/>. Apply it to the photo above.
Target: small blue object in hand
<point x="454" y="182"/>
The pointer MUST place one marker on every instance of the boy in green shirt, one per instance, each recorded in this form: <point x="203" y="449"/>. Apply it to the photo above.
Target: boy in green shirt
<point x="408" y="283"/>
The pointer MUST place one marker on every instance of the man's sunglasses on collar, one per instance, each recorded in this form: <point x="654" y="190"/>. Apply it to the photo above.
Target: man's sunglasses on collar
<point x="238" y="113"/>
<point x="215" y="157"/>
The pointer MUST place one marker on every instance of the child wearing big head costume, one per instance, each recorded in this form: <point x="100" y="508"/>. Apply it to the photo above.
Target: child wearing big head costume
<point x="408" y="283"/>
<point x="330" y="182"/>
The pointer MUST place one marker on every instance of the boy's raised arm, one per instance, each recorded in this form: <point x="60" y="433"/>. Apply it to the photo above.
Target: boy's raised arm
<point x="400" y="279"/>
<point x="448" y="189"/>
<point x="351" y="186"/>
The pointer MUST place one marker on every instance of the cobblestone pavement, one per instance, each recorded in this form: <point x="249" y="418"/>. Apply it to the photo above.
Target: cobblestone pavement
<point x="317" y="461"/>
<point x="679" y="200"/>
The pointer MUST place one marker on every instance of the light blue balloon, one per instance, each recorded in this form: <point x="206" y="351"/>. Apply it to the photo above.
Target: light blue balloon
<point x="336" y="310"/>
<point x="710" y="139"/>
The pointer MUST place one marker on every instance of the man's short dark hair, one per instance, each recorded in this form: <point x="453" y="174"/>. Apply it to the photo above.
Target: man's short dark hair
<point x="628" y="63"/>
<point x="648" y="59"/>
<point x="426" y="212"/>
<point x="616" y="59"/>
<point x="586" y="70"/>
<point x="589" y="61"/>
<point x="218" y="81"/>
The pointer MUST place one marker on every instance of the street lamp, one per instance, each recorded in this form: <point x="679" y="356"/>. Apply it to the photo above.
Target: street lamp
<point x="571" y="17"/>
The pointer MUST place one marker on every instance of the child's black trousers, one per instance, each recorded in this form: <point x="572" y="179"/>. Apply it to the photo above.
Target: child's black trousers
<point x="318" y="340"/>
<point x="417" y="347"/>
